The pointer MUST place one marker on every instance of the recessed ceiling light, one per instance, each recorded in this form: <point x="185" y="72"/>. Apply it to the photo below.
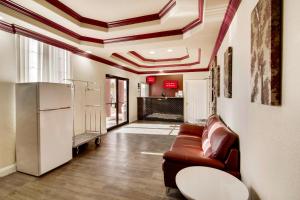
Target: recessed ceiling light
<point x="170" y="50"/>
<point x="152" y="52"/>
<point x="88" y="51"/>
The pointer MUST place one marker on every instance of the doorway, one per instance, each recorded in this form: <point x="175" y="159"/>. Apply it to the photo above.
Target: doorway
<point x="116" y="101"/>
<point x="196" y="100"/>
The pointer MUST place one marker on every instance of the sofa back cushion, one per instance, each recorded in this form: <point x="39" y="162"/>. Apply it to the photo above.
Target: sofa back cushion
<point x="217" y="139"/>
<point x="221" y="141"/>
<point x="206" y="146"/>
<point x="211" y="120"/>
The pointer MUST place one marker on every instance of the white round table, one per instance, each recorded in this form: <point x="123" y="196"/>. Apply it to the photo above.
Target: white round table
<point x="205" y="183"/>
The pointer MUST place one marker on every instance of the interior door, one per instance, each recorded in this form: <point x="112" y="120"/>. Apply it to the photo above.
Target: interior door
<point x="144" y="90"/>
<point x="122" y="101"/>
<point x="117" y="101"/>
<point x="196" y="100"/>
<point x="111" y="102"/>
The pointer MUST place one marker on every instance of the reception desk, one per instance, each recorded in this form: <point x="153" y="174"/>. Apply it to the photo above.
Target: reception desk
<point x="160" y="108"/>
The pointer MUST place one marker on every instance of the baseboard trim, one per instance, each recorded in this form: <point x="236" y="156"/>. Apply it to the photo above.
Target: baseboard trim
<point x="8" y="170"/>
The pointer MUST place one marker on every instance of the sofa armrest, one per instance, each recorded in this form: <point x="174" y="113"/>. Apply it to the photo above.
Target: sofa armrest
<point x="191" y="129"/>
<point x="193" y="159"/>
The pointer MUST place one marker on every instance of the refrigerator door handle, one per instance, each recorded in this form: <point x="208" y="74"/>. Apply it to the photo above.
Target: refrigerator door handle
<point x="61" y="108"/>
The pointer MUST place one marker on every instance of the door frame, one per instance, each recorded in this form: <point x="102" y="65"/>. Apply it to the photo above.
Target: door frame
<point x="109" y="76"/>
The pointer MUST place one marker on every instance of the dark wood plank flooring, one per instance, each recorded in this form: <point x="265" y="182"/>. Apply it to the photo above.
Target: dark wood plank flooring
<point x="114" y="171"/>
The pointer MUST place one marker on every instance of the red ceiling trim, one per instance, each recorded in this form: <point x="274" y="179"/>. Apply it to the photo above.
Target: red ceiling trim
<point x="124" y="22"/>
<point x="175" y="71"/>
<point x="229" y="15"/>
<point x="158" y="66"/>
<point x="20" y="9"/>
<point x="6" y="27"/>
<point x="67" y="10"/>
<point x="33" y="15"/>
<point x="142" y="58"/>
<point x="166" y="8"/>
<point x="197" y="21"/>
<point x="130" y="21"/>
<point x="169" y="33"/>
<point x="28" y="33"/>
<point x="15" y="29"/>
<point x="143" y="36"/>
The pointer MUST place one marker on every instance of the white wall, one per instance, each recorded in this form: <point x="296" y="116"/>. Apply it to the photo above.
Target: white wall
<point x="8" y="75"/>
<point x="269" y="135"/>
<point x="86" y="69"/>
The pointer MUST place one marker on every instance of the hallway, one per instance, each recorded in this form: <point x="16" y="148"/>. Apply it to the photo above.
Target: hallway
<point x="121" y="168"/>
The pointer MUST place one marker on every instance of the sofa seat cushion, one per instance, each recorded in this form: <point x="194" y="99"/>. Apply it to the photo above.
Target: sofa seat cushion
<point x="188" y="149"/>
<point x="191" y="156"/>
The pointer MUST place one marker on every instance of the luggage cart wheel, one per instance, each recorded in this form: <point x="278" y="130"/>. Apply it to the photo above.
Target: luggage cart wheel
<point x="77" y="150"/>
<point x="98" y="141"/>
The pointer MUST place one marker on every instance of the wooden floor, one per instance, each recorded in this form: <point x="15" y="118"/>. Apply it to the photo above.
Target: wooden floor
<point x="116" y="170"/>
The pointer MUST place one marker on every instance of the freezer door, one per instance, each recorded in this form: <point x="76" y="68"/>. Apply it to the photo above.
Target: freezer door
<point x="54" y="96"/>
<point x="55" y="134"/>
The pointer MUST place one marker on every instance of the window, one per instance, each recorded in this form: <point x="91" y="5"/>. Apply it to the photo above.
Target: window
<point x="40" y="62"/>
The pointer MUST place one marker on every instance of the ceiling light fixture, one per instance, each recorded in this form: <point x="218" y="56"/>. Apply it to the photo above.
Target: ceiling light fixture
<point x="170" y="50"/>
<point x="152" y="52"/>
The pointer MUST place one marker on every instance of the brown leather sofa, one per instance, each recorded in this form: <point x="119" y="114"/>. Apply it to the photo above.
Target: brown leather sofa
<point x="212" y="145"/>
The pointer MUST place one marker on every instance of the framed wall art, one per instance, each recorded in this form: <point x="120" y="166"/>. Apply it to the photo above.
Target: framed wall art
<point x="266" y="30"/>
<point x="218" y="81"/>
<point x="228" y="73"/>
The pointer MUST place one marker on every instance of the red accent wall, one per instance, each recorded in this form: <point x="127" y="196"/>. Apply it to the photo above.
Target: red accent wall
<point x="157" y="88"/>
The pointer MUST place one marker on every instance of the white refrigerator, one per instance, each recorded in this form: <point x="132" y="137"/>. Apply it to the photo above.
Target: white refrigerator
<point x="44" y="126"/>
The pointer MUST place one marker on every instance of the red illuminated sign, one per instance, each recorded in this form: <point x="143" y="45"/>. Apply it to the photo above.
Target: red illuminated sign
<point x="150" y="79"/>
<point x="171" y="84"/>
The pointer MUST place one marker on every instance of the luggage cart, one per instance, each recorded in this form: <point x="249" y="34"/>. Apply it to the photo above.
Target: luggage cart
<point x="92" y="114"/>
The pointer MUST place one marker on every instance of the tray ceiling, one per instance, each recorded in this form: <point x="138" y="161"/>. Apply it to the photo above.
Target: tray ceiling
<point x="113" y="10"/>
<point x="194" y="58"/>
<point x="161" y="47"/>
<point x="161" y="54"/>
